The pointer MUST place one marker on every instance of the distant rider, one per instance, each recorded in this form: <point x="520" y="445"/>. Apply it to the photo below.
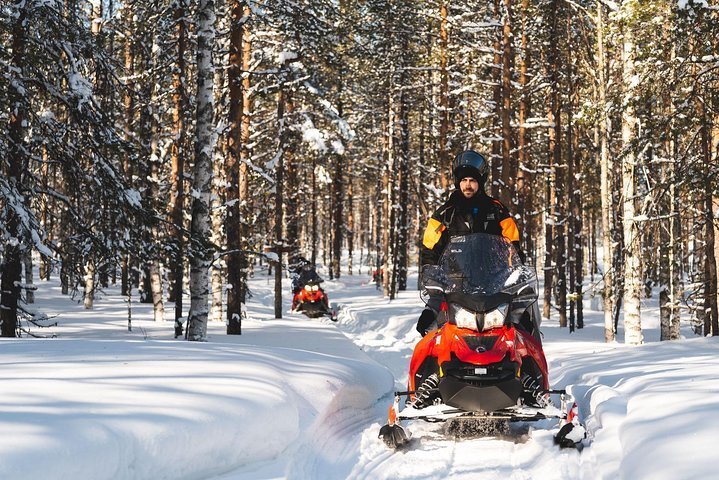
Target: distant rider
<point x="303" y="273"/>
<point x="468" y="210"/>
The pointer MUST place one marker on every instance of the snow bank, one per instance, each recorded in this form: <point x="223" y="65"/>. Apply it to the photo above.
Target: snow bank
<point x="649" y="409"/>
<point x="119" y="405"/>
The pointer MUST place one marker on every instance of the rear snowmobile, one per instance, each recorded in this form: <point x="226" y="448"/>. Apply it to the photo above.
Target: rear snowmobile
<point x="312" y="300"/>
<point x="483" y="368"/>
<point x="308" y="296"/>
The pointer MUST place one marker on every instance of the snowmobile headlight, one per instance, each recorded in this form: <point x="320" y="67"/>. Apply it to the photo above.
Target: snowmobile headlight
<point x="308" y="288"/>
<point x="464" y="318"/>
<point x="315" y="288"/>
<point x="495" y="318"/>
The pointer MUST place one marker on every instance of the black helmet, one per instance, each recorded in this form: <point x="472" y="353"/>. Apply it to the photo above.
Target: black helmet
<point x="470" y="164"/>
<point x="298" y="263"/>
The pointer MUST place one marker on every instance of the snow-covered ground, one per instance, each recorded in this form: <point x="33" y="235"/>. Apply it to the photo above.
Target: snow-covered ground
<point x="304" y="399"/>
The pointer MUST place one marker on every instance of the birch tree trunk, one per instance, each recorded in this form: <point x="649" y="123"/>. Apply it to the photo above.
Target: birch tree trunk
<point x="202" y="183"/>
<point x="89" y="285"/>
<point x="670" y="294"/>
<point x="218" y="236"/>
<point x="605" y="182"/>
<point x="154" y="270"/>
<point x="158" y="306"/>
<point x="90" y="267"/>
<point x="218" y="268"/>
<point x="128" y="100"/>
<point x="632" y="242"/>
<point x="220" y="180"/>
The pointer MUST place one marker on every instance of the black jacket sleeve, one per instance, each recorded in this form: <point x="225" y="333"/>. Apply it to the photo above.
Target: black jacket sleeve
<point x="520" y="252"/>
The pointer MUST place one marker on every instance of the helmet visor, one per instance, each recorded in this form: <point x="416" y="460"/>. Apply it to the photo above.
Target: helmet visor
<point x="470" y="158"/>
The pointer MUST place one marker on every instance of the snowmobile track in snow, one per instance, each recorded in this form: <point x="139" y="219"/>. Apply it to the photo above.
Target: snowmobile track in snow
<point x="333" y="439"/>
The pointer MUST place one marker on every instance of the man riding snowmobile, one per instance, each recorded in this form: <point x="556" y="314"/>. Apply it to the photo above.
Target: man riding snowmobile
<point x="308" y="296"/>
<point x="481" y="358"/>
<point x="468" y="210"/>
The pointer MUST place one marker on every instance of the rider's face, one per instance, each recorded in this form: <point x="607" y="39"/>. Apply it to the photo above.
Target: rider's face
<point x="469" y="187"/>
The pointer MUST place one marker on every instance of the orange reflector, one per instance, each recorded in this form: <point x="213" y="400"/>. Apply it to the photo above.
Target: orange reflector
<point x="572" y="413"/>
<point x="391" y="415"/>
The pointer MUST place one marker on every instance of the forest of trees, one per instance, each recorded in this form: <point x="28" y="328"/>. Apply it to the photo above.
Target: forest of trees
<point x="167" y="143"/>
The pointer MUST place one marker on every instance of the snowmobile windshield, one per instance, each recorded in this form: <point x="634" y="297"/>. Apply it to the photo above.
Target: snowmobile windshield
<point x="309" y="276"/>
<point x="480" y="264"/>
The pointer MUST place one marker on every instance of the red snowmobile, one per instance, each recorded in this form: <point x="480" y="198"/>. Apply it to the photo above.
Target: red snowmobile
<point x="312" y="301"/>
<point x="308" y="296"/>
<point x="483" y="368"/>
